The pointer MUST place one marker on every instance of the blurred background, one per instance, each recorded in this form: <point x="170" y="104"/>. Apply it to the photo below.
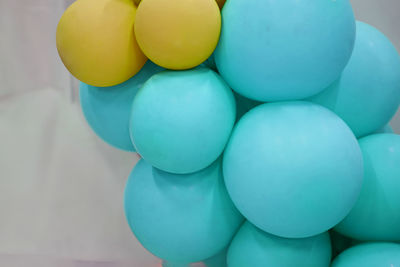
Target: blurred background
<point x="61" y="188"/>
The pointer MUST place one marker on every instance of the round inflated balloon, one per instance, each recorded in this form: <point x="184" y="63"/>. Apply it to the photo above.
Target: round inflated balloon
<point x="243" y="105"/>
<point x="376" y="215"/>
<point x="368" y="93"/>
<point x="96" y="42"/>
<point x="181" y="120"/>
<point x="253" y="247"/>
<point x="108" y="109"/>
<point x="218" y="260"/>
<point x="340" y="243"/>
<point x="283" y="50"/>
<point x="178" y="34"/>
<point x="370" y="255"/>
<point x="294" y="169"/>
<point x="180" y="218"/>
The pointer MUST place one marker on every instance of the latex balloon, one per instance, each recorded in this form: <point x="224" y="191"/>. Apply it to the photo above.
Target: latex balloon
<point x="370" y="255"/>
<point x="376" y="215"/>
<point x="253" y="247"/>
<point x="96" y="42"/>
<point x="180" y="218"/>
<point x="294" y="169"/>
<point x="182" y="120"/>
<point x="284" y="50"/>
<point x="178" y="34"/>
<point x="368" y="93"/>
<point x="218" y="260"/>
<point x="243" y="105"/>
<point x="340" y="243"/>
<point x="385" y="129"/>
<point x="108" y="109"/>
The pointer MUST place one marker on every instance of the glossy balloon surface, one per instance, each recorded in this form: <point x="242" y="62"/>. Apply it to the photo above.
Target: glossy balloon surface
<point x="368" y="93"/>
<point x="253" y="247"/>
<point x="376" y="215"/>
<point x="284" y="50"/>
<point x="180" y="218"/>
<point x="181" y="120"/>
<point x="294" y="169"/>
<point x="178" y="34"/>
<point x="96" y="42"/>
<point x="108" y="109"/>
<point x="370" y="255"/>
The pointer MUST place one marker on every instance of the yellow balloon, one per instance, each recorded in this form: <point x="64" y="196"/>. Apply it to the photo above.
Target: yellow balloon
<point x="178" y="34"/>
<point x="96" y="41"/>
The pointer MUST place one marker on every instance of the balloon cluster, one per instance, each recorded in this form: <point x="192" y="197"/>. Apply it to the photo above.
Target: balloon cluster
<point x="261" y="129"/>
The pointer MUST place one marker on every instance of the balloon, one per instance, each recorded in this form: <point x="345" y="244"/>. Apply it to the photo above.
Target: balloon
<point x="108" y="109"/>
<point x="96" y="42"/>
<point x="182" y="120"/>
<point x="243" y="105"/>
<point x="178" y="34"/>
<point x="180" y="218"/>
<point x="294" y="169"/>
<point x="218" y="260"/>
<point x="385" y="129"/>
<point x="253" y="247"/>
<point x="376" y="214"/>
<point x="340" y="243"/>
<point x="368" y="93"/>
<point x="284" y="50"/>
<point x="370" y="255"/>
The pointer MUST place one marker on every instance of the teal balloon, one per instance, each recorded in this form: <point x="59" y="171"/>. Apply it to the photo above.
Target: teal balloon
<point x="218" y="260"/>
<point x="180" y="218"/>
<point x="370" y="255"/>
<point x="273" y="50"/>
<point x="376" y="214"/>
<point x="385" y="129"/>
<point x="368" y="93"/>
<point x="340" y="242"/>
<point x="253" y="247"/>
<point x="108" y="109"/>
<point x="244" y="105"/>
<point x="293" y="169"/>
<point x="182" y="120"/>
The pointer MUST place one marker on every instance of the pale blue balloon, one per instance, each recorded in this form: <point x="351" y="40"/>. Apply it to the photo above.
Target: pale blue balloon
<point x="370" y="255"/>
<point x="273" y="50"/>
<point x="253" y="247"/>
<point x="368" y="93"/>
<point x="180" y="217"/>
<point x="294" y="169"/>
<point x="376" y="215"/>
<point x="108" y="109"/>
<point x="182" y="120"/>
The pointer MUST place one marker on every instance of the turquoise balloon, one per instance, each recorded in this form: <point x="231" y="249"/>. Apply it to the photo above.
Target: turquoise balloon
<point x="253" y="247"/>
<point x="272" y="50"/>
<point x="293" y="169"/>
<point x="376" y="215"/>
<point x="218" y="260"/>
<point x="368" y="93"/>
<point x="180" y="217"/>
<point x="370" y="255"/>
<point x="182" y="120"/>
<point x="244" y="105"/>
<point x="108" y="109"/>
